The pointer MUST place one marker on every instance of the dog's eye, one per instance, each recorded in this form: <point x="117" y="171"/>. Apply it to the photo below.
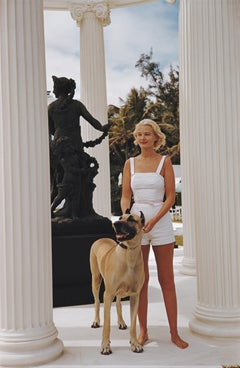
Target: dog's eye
<point x="120" y="218"/>
<point x="131" y="219"/>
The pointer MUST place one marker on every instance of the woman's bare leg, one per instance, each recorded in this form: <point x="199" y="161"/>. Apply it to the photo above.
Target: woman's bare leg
<point x="164" y="259"/>
<point x="143" y="300"/>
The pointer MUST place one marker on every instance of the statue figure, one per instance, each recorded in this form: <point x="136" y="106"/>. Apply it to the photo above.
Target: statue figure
<point x="72" y="170"/>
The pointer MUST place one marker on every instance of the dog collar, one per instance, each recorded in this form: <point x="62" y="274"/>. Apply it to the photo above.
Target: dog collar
<point x="122" y="245"/>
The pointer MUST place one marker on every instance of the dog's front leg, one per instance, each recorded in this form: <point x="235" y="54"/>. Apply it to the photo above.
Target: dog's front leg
<point x="121" y="323"/>
<point x="135" y="346"/>
<point x="105" y="348"/>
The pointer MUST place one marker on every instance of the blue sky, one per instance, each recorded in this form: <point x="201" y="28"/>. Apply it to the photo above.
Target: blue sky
<point x="133" y="30"/>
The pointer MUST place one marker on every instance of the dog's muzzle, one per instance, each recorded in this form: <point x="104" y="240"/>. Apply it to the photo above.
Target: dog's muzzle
<point x="124" y="231"/>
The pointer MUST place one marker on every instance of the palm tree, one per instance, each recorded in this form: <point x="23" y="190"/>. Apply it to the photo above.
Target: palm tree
<point x="163" y="102"/>
<point x="123" y="121"/>
<point x="121" y="144"/>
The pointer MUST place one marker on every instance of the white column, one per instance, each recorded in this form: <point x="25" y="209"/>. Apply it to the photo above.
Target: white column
<point x="210" y="141"/>
<point x="188" y="266"/>
<point x="27" y="333"/>
<point x="188" y="144"/>
<point x="91" y="17"/>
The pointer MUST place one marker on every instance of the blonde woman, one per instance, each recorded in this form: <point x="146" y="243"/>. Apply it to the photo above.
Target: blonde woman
<point x="149" y="178"/>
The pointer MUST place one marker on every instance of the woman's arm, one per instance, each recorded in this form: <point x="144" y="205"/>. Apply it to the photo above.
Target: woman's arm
<point x="169" y="182"/>
<point x="126" y="187"/>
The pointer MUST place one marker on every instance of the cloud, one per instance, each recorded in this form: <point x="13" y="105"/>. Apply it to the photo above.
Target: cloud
<point x="62" y="46"/>
<point x="133" y="31"/>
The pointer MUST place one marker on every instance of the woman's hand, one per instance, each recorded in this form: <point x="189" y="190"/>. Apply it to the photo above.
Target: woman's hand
<point x="149" y="225"/>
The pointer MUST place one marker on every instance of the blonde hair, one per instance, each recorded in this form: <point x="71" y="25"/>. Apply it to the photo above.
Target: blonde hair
<point x="161" y="138"/>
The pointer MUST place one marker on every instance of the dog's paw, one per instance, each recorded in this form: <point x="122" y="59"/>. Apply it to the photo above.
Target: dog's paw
<point x="136" y="347"/>
<point x="95" y="324"/>
<point x="106" y="349"/>
<point x="122" y="325"/>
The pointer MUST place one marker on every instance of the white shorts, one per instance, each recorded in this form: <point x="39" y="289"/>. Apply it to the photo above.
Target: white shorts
<point x="162" y="232"/>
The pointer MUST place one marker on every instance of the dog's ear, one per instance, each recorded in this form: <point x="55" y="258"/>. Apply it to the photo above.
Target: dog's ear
<point x="142" y="217"/>
<point x="127" y="212"/>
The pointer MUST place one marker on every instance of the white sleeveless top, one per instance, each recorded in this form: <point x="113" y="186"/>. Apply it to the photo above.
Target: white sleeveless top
<point x="147" y="188"/>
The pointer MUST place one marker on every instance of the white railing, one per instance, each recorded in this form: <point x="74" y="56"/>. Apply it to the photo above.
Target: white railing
<point x="176" y="214"/>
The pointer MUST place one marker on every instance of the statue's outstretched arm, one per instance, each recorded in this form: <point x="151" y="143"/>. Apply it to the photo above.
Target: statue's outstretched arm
<point x="87" y="116"/>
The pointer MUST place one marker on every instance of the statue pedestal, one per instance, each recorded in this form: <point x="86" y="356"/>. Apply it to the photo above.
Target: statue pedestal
<point x="71" y="244"/>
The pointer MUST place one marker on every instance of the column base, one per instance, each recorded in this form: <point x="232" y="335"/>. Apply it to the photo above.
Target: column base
<point x="24" y="352"/>
<point x="216" y="322"/>
<point x="188" y="266"/>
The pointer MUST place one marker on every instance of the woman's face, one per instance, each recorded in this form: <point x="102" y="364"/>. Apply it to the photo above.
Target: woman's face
<point x="145" y="136"/>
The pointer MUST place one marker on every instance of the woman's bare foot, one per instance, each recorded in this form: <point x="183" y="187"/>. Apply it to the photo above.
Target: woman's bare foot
<point x="142" y="338"/>
<point x="179" y="342"/>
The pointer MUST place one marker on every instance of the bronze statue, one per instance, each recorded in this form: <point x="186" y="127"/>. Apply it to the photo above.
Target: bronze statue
<point x="72" y="169"/>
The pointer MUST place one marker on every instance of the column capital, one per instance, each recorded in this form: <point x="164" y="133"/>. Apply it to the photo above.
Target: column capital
<point x="100" y="8"/>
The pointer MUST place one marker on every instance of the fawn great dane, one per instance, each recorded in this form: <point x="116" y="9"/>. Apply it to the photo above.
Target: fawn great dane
<point x="120" y="264"/>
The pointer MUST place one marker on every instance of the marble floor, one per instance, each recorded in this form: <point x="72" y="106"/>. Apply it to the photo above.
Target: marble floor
<point x="82" y="343"/>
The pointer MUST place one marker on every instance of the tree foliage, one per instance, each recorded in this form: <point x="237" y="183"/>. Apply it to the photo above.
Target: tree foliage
<point x="159" y="102"/>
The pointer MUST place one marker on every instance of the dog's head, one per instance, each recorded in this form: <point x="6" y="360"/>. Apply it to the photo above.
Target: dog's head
<point x="128" y="226"/>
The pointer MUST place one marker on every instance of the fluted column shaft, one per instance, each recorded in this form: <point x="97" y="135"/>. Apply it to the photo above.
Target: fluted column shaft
<point x="91" y="17"/>
<point x="210" y="141"/>
<point x="27" y="333"/>
<point x="188" y="144"/>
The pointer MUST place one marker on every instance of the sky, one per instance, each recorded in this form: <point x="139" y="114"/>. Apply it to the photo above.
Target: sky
<point x="133" y="31"/>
